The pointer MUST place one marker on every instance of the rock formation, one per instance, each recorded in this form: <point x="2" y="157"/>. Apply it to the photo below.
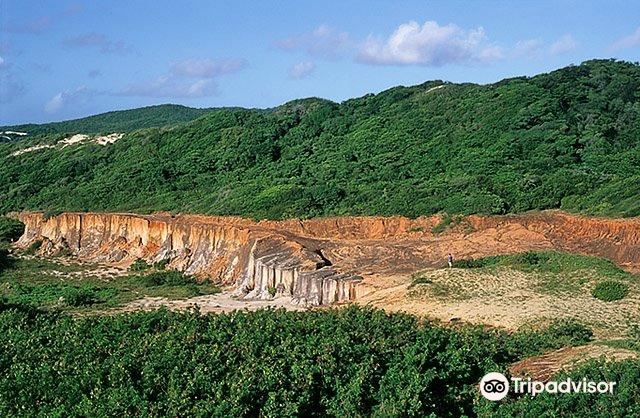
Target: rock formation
<point x="319" y="261"/>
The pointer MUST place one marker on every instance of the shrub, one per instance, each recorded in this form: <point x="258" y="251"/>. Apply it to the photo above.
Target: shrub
<point x="561" y="333"/>
<point x="139" y="265"/>
<point x="80" y="296"/>
<point x="168" y="278"/>
<point x="162" y="264"/>
<point x="569" y="331"/>
<point x="610" y="290"/>
<point x="470" y="263"/>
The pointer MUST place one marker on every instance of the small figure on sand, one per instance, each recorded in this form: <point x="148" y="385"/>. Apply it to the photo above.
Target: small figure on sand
<point x="450" y="260"/>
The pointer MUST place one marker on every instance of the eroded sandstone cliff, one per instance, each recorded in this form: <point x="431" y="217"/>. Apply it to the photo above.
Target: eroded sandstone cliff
<point x="319" y="261"/>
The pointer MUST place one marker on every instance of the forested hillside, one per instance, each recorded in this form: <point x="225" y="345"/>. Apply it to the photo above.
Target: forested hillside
<point x="116" y="121"/>
<point x="569" y="139"/>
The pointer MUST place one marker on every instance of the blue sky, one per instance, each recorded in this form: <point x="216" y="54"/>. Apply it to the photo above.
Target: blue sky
<point x="67" y="59"/>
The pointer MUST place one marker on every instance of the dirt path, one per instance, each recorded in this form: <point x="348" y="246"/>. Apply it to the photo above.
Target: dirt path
<point x="220" y="302"/>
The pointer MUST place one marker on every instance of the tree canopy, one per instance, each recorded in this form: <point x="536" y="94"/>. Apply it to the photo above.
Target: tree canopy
<point x="568" y="139"/>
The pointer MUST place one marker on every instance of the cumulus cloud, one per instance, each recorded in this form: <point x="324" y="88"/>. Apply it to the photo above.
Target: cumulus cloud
<point x="527" y="48"/>
<point x="324" y="41"/>
<point x="206" y="67"/>
<point x="68" y="97"/>
<point x="563" y="45"/>
<point x="626" y="42"/>
<point x="99" y="41"/>
<point x="170" y="87"/>
<point x="302" y="69"/>
<point x="429" y="45"/>
<point x="191" y="78"/>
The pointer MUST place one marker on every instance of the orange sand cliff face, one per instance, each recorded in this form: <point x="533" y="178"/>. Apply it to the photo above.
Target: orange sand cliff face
<point x="320" y="261"/>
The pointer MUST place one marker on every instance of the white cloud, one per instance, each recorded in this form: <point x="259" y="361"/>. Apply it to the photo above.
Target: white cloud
<point x="191" y="78"/>
<point x="429" y="45"/>
<point x="172" y="87"/>
<point x="324" y="41"/>
<point x="302" y="69"/>
<point x="206" y="67"/>
<point x="67" y="97"/>
<point x="627" y="41"/>
<point x="565" y="44"/>
<point x="528" y="48"/>
<point x="3" y="63"/>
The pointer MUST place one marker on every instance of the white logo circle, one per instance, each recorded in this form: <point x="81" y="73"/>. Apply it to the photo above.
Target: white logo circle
<point x="494" y="386"/>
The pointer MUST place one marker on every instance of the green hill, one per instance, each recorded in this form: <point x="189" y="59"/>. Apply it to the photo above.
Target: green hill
<point x="569" y="139"/>
<point x="116" y="121"/>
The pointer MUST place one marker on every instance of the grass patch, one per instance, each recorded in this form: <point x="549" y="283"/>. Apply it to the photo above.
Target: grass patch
<point x="32" y="282"/>
<point x="610" y="291"/>
<point x="549" y="262"/>
<point x="556" y="272"/>
<point x="417" y="280"/>
<point x="421" y="286"/>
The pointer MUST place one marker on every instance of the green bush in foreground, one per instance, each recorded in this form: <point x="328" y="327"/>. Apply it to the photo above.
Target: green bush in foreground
<point x="610" y="290"/>
<point x="139" y="265"/>
<point x="80" y="296"/>
<point x="336" y="362"/>
<point x="623" y="403"/>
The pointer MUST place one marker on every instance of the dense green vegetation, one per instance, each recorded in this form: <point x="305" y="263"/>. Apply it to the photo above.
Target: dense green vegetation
<point x="10" y="230"/>
<point x="342" y="362"/>
<point x="610" y="290"/>
<point x="623" y="403"/>
<point x="116" y="121"/>
<point x="569" y="139"/>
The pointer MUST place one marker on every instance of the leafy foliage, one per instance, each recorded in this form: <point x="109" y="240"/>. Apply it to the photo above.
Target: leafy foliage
<point x="622" y="403"/>
<point x="335" y="362"/>
<point x="10" y="229"/>
<point x="116" y="121"/>
<point x="139" y="265"/>
<point x="168" y="278"/>
<point x="610" y="290"/>
<point x="80" y="296"/>
<point x="568" y="139"/>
